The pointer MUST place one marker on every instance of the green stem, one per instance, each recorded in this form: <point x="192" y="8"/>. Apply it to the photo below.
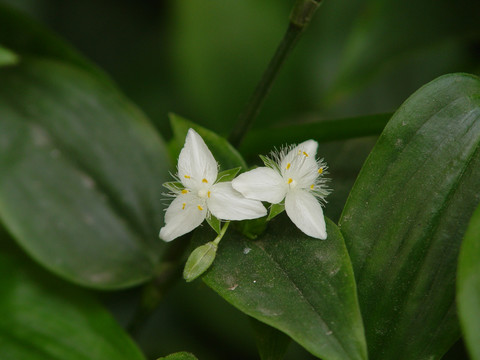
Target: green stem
<point x="222" y="232"/>
<point x="300" y="17"/>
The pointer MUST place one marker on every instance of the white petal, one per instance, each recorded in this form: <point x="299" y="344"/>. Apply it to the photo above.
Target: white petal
<point x="306" y="149"/>
<point x="309" y="146"/>
<point x="262" y="184"/>
<point x="182" y="216"/>
<point x="196" y="164"/>
<point x="306" y="213"/>
<point x="228" y="204"/>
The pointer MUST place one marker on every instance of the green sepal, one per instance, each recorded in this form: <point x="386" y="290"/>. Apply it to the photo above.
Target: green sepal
<point x="269" y="162"/>
<point x="214" y="224"/>
<point x="228" y="175"/>
<point x="275" y="209"/>
<point x="199" y="261"/>
<point x="252" y="228"/>
<point x="174" y="186"/>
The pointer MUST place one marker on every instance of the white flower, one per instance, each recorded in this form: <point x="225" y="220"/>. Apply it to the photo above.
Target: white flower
<point x="201" y="196"/>
<point x="295" y="175"/>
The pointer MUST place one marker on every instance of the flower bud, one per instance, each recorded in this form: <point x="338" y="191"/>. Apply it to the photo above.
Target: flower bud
<point x="199" y="261"/>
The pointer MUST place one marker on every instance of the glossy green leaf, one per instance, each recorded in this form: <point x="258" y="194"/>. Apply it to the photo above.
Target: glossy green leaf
<point x="179" y="356"/>
<point x="297" y="284"/>
<point x="80" y="175"/>
<point x="468" y="286"/>
<point x="406" y="216"/>
<point x="25" y="37"/>
<point x="225" y="154"/>
<point x="45" y="318"/>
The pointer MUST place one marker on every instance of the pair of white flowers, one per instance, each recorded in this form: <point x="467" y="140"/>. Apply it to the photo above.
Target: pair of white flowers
<point x="293" y="175"/>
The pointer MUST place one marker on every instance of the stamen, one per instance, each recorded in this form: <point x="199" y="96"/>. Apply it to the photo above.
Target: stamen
<point x="299" y="152"/>
<point x="320" y="170"/>
<point x="200" y="208"/>
<point x="304" y="153"/>
<point x="288" y="166"/>
<point x="183" y="206"/>
<point x="205" y="180"/>
<point x="289" y="181"/>
<point x="208" y="194"/>
<point x="184" y="191"/>
<point x="187" y="176"/>
<point x="312" y="186"/>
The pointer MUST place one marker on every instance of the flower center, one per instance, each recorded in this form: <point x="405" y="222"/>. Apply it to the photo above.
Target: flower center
<point x="291" y="183"/>
<point x="203" y="193"/>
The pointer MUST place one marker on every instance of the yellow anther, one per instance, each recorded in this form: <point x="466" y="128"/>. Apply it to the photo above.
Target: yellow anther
<point x="304" y="153"/>
<point x="288" y="166"/>
<point x="187" y="176"/>
<point x="200" y="208"/>
<point x="312" y="186"/>
<point x="208" y="194"/>
<point x="184" y="191"/>
<point x="183" y="206"/>
<point x="299" y="152"/>
<point x="289" y="181"/>
<point x="205" y="180"/>
<point x="320" y="170"/>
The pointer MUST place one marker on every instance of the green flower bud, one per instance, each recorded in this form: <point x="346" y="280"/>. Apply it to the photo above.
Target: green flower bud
<point x="199" y="261"/>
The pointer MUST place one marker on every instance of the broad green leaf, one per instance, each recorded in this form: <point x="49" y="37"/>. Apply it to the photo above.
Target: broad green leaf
<point x="179" y="356"/>
<point x="224" y="153"/>
<point x="80" y="175"/>
<point x="406" y="216"/>
<point x="468" y="286"/>
<point x="45" y="318"/>
<point x="262" y="141"/>
<point x="297" y="284"/>
<point x="271" y="343"/>
<point x="25" y="37"/>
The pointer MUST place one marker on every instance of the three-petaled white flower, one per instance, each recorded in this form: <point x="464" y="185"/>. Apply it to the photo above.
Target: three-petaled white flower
<point x="295" y="175"/>
<point x="201" y="196"/>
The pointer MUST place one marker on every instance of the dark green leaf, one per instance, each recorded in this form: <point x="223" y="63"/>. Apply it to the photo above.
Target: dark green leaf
<point x="228" y="175"/>
<point x="262" y="141"/>
<point x="25" y="37"/>
<point x="468" y="286"/>
<point x="275" y="209"/>
<point x="45" y="318"/>
<point x="297" y="284"/>
<point x="406" y="215"/>
<point x="271" y="343"/>
<point x="179" y="356"/>
<point x="80" y="175"/>
<point x="224" y="153"/>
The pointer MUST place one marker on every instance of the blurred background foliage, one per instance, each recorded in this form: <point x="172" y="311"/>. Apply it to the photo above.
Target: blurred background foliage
<point x="202" y="59"/>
